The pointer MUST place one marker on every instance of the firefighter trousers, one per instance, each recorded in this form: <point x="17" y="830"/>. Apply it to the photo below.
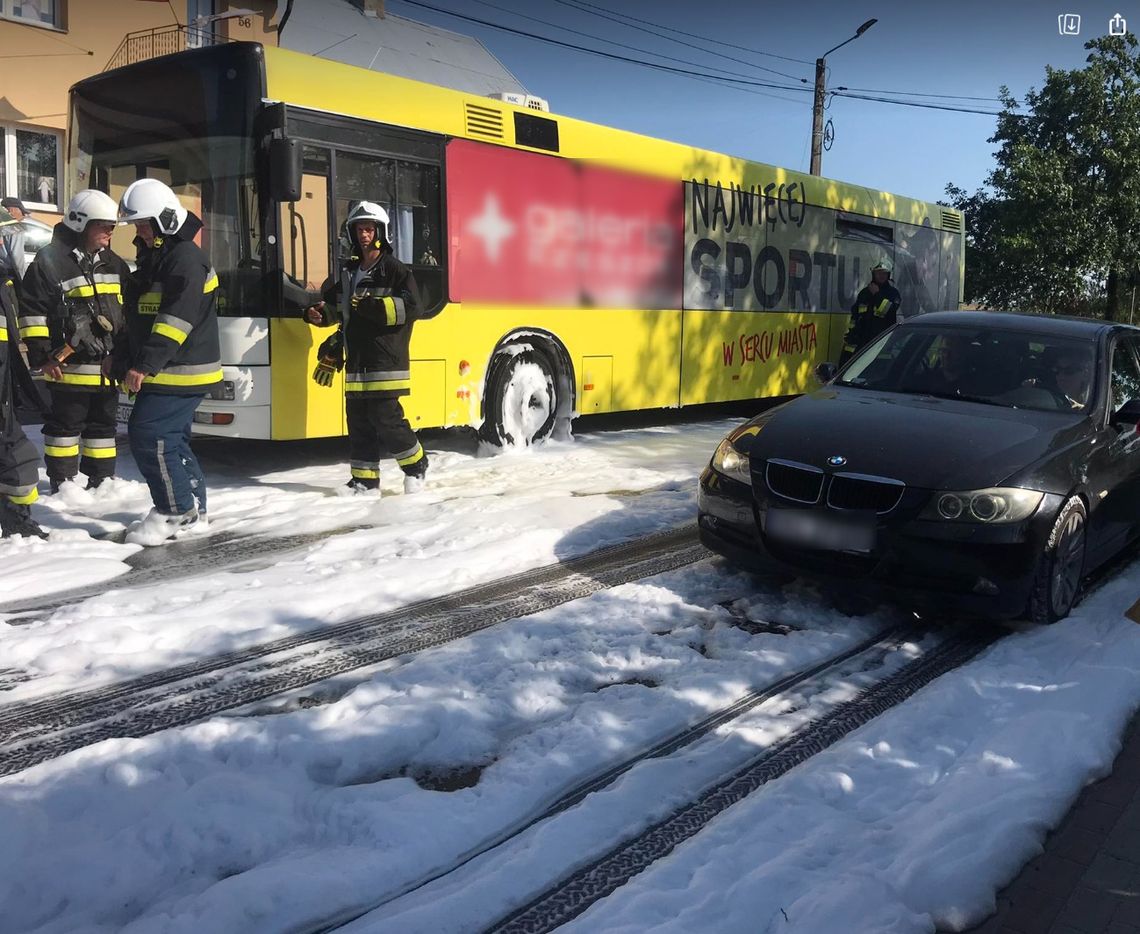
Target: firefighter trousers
<point x="377" y="428"/>
<point x="159" y="431"/>
<point x="19" y="464"/>
<point x="79" y="433"/>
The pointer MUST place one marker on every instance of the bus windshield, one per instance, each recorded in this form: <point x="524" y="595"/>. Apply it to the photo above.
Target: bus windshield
<point x="192" y="129"/>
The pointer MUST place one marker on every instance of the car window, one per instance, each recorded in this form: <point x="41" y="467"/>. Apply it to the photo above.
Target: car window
<point x="1125" y="380"/>
<point x="36" y="237"/>
<point x="997" y="367"/>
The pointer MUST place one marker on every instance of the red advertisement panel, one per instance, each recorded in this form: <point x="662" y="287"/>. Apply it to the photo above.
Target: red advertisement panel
<point x="534" y="229"/>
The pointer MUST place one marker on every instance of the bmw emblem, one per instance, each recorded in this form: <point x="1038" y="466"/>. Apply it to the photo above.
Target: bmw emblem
<point x="836" y="460"/>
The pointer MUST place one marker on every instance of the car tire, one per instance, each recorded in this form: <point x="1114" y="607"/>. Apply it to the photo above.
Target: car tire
<point x="1060" y="568"/>
<point x="521" y="401"/>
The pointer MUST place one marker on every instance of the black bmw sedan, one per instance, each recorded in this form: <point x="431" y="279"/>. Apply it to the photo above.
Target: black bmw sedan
<point x="978" y="462"/>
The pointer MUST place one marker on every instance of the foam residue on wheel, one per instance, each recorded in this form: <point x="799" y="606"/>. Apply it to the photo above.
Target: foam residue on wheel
<point x="526" y="403"/>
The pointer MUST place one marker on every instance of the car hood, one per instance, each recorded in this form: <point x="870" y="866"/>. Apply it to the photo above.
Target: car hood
<point x="923" y="441"/>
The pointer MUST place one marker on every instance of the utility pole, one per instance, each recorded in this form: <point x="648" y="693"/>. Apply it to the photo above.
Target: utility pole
<point x="817" y="116"/>
<point x="820" y="94"/>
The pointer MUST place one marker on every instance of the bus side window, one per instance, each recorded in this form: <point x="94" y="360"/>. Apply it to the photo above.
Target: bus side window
<point x="417" y="235"/>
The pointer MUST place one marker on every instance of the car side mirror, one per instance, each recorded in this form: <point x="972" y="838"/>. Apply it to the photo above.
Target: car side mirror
<point x="1127" y="417"/>
<point x="825" y="372"/>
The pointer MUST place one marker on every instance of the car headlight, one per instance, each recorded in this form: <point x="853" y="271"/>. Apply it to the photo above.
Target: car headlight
<point x="996" y="504"/>
<point x="730" y="462"/>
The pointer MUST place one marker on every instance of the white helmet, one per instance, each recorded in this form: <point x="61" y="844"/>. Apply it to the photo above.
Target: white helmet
<point x="886" y="265"/>
<point x="90" y="205"/>
<point x="150" y="199"/>
<point x="369" y="211"/>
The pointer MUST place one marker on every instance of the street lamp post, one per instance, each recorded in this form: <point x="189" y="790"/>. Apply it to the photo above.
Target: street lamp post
<point x="820" y="92"/>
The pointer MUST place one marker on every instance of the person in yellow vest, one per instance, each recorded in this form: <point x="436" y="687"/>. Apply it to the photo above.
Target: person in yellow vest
<point x="876" y="308"/>
<point x="71" y="313"/>
<point x="19" y="459"/>
<point x="171" y="358"/>
<point x="374" y="305"/>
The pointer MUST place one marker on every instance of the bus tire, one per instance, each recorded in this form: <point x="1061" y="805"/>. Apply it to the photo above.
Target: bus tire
<point x="520" y="406"/>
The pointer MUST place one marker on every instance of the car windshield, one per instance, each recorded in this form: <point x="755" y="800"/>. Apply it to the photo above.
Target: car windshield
<point x="1011" y="368"/>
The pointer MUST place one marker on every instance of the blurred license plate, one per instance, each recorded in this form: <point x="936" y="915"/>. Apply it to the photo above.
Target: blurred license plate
<point x="124" y="413"/>
<point x="806" y="529"/>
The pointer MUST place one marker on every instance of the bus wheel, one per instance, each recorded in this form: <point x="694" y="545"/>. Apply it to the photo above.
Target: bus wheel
<point x="522" y="398"/>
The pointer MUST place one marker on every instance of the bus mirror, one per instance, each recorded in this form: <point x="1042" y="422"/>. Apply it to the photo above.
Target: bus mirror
<point x="285" y="169"/>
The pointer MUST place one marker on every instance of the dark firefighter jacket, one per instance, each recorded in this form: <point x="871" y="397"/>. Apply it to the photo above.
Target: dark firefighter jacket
<point x="871" y="315"/>
<point x="19" y="459"/>
<point x="376" y="319"/>
<point x="65" y="289"/>
<point x="172" y="317"/>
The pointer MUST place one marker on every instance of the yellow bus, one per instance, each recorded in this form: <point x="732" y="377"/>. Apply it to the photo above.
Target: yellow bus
<point x="565" y="268"/>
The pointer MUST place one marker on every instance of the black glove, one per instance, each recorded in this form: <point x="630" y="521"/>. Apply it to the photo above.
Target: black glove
<point x="80" y="333"/>
<point x="371" y="306"/>
<point x="330" y="359"/>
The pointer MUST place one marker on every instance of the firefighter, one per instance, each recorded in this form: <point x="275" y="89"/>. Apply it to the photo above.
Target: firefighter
<point x="374" y="306"/>
<point x="71" y="312"/>
<point x="876" y="309"/>
<point x="171" y="357"/>
<point x="19" y="460"/>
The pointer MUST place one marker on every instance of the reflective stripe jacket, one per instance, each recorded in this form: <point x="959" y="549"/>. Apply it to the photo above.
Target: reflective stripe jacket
<point x="871" y="315"/>
<point x="377" y="318"/>
<point x="19" y="459"/>
<point x="61" y="284"/>
<point x="172" y="316"/>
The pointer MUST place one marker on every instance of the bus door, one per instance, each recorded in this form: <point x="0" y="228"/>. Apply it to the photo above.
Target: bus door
<point x="301" y="408"/>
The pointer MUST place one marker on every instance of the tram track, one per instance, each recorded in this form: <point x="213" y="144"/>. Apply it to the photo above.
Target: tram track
<point x="37" y="730"/>
<point x="871" y="651"/>
<point x="574" y="893"/>
<point x="196" y="555"/>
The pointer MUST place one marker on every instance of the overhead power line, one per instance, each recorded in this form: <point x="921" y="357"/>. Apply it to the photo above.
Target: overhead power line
<point x="612" y="55"/>
<point x="594" y="11"/>
<point x="632" y="48"/>
<point x="887" y="100"/>
<point x="691" y="35"/>
<point x="739" y="83"/>
<point x="958" y="97"/>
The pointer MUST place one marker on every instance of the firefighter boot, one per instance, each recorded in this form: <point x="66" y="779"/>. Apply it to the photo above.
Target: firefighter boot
<point x="16" y="519"/>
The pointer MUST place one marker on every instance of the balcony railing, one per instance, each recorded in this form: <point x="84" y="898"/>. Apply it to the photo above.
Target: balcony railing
<point x="162" y="40"/>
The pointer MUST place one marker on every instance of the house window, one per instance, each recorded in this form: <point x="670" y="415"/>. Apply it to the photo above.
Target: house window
<point x="30" y="166"/>
<point x="37" y="12"/>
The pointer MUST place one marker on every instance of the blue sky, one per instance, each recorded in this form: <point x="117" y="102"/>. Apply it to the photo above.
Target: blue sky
<point x="963" y="48"/>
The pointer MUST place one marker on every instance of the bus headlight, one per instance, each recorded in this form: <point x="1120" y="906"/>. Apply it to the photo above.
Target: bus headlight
<point x="992" y="505"/>
<point x="730" y="462"/>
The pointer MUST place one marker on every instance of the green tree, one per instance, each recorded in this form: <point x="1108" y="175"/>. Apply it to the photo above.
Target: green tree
<point x="1057" y="227"/>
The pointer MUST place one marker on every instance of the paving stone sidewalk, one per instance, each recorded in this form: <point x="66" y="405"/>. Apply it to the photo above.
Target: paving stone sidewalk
<point x="1088" y="879"/>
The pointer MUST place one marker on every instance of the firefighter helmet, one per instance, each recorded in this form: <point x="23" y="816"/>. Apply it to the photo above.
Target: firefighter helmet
<point x="90" y="205"/>
<point x="369" y="211"/>
<point x="150" y="199"/>
<point x="885" y="265"/>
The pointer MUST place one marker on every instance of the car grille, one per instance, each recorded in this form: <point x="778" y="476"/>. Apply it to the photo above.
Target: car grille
<point x="800" y="482"/>
<point x="870" y="494"/>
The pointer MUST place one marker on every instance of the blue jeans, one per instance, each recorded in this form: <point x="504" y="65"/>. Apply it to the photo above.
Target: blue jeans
<point x="159" y="432"/>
